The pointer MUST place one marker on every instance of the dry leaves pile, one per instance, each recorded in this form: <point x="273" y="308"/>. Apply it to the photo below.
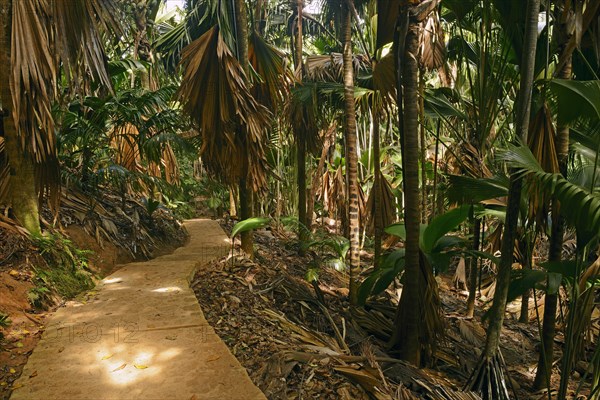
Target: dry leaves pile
<point x="297" y="340"/>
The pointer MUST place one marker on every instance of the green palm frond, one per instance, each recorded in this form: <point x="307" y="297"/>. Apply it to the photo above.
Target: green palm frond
<point x="580" y="208"/>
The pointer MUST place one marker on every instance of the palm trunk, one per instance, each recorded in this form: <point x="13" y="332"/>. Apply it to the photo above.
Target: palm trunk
<point x="473" y="270"/>
<point x="514" y="195"/>
<point x="351" y="155"/>
<point x="142" y="49"/>
<point x="423" y="150"/>
<point x="407" y="323"/>
<point x="310" y="204"/>
<point x="22" y="193"/>
<point x="300" y="135"/>
<point x="377" y="211"/>
<point x="488" y="377"/>
<point x="526" y="252"/>
<point x="546" y="356"/>
<point x="245" y="191"/>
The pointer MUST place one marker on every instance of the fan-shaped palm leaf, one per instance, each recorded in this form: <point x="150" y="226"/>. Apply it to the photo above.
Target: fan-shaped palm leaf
<point x="214" y="94"/>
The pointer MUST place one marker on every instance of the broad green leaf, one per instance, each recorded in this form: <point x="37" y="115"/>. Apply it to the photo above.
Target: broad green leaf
<point x="554" y="281"/>
<point x="464" y="189"/>
<point x="399" y="230"/>
<point x="392" y="265"/>
<point x="443" y="224"/>
<point x="576" y="99"/>
<point x="249" y="224"/>
<point x="528" y="280"/>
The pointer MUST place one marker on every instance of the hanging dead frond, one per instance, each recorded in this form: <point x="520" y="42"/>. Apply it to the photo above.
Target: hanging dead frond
<point x="49" y="38"/>
<point x="542" y="142"/>
<point x="275" y="77"/>
<point x="232" y="123"/>
<point x="432" y="46"/>
<point x="127" y="152"/>
<point x="330" y="68"/>
<point x="387" y="206"/>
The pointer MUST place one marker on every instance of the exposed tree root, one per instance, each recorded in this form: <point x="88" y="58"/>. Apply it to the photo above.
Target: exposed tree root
<point x="489" y="378"/>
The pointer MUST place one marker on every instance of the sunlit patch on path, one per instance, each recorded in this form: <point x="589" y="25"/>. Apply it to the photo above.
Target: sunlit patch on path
<point x="141" y="335"/>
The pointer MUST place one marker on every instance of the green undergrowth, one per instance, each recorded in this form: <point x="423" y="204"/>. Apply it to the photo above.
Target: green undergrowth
<point x="66" y="272"/>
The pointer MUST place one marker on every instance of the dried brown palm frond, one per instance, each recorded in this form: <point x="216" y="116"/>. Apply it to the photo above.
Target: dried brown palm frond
<point x="432" y="47"/>
<point x="83" y="20"/>
<point x="169" y="164"/>
<point x="49" y="37"/>
<point x="127" y="152"/>
<point x="232" y="123"/>
<point x="388" y="206"/>
<point x="384" y="78"/>
<point x="329" y="68"/>
<point x="542" y="142"/>
<point x="275" y="77"/>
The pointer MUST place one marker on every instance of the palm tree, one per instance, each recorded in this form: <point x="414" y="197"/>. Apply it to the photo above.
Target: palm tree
<point x="488" y="377"/>
<point x="33" y="32"/>
<point x="565" y="33"/>
<point x="351" y="150"/>
<point x="407" y="336"/>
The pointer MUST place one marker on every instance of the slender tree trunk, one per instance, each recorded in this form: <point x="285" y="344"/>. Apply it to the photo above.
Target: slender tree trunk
<point x="142" y="49"/>
<point x="496" y="316"/>
<point x="351" y="154"/>
<point x="300" y="134"/>
<point x="247" y="238"/>
<point x="22" y="193"/>
<point x="423" y="149"/>
<point x="407" y="324"/>
<point x="524" y="315"/>
<point x="310" y="204"/>
<point x="474" y="270"/>
<point x="546" y="356"/>
<point x="245" y="191"/>
<point x="377" y="210"/>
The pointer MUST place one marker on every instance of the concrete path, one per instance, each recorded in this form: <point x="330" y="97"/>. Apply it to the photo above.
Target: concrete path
<point x="141" y="335"/>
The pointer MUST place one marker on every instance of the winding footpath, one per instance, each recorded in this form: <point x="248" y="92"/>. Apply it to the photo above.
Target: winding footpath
<point x="141" y="335"/>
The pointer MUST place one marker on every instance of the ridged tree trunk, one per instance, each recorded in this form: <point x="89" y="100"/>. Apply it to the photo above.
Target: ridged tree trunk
<point x="141" y="48"/>
<point x="22" y="193"/>
<point x="522" y="115"/>
<point x="546" y="356"/>
<point x="488" y="377"/>
<point x="407" y="324"/>
<point x="473" y="270"/>
<point x="351" y="156"/>
<point x="245" y="190"/>
<point x="299" y="132"/>
<point x="376" y="190"/>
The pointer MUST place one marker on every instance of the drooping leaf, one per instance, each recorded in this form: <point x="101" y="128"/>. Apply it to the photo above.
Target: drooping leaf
<point x="464" y="189"/>
<point x="249" y="224"/>
<point x="576" y="99"/>
<point x="443" y="224"/>
<point x="528" y="280"/>
<point x="580" y="208"/>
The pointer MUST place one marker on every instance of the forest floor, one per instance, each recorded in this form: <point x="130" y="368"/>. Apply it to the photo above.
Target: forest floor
<point x="139" y="334"/>
<point x="299" y="341"/>
<point x="295" y="339"/>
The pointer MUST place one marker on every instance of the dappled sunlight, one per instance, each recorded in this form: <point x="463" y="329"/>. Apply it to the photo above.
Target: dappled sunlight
<point x="168" y="289"/>
<point x="112" y="280"/>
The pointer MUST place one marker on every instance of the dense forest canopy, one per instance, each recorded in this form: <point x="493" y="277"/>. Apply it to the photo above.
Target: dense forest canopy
<point x="403" y="139"/>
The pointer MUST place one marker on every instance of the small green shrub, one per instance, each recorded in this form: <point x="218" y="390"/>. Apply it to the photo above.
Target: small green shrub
<point x="67" y="273"/>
